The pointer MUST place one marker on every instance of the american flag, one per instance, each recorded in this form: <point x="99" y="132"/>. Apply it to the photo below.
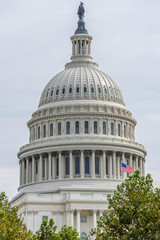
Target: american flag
<point x="126" y="168"/>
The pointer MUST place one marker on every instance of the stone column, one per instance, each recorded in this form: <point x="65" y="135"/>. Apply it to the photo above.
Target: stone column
<point x="136" y="162"/>
<point x="60" y="165"/>
<point x="110" y="166"/>
<point x="78" y="221"/>
<point x="103" y="165"/>
<point x="141" y="169"/>
<point x="118" y="166"/>
<point x="124" y="161"/>
<point x="100" y="213"/>
<point x="72" y="218"/>
<point x="40" y="167"/>
<point x="70" y="164"/>
<point x="33" y="169"/>
<point x="27" y="172"/>
<point x="22" y="171"/>
<point x="130" y="160"/>
<point x="49" y="165"/>
<point x="114" y="165"/>
<point x="94" y="218"/>
<point x="82" y="164"/>
<point x="54" y="167"/>
<point x="93" y="164"/>
<point x="45" y="160"/>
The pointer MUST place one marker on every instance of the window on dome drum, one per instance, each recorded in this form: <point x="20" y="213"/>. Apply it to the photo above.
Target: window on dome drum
<point x="92" y="89"/>
<point x="95" y="128"/>
<point x="47" y="94"/>
<point x="51" y="129"/>
<point x="119" y="130"/>
<point x="104" y="128"/>
<point x="111" y="91"/>
<point x="77" y="89"/>
<point x="70" y="90"/>
<point x="57" y="167"/>
<point x="83" y="219"/>
<point x="43" y="169"/>
<point x="38" y="132"/>
<point x="112" y="128"/>
<point x="77" y="165"/>
<point x="124" y="130"/>
<point x="51" y="93"/>
<point x="45" y="218"/>
<point x="36" y="167"/>
<point x="99" y="90"/>
<point x="87" y="165"/>
<point x="77" y="127"/>
<point x="57" y="92"/>
<point x="105" y="90"/>
<point x="67" y="127"/>
<point x="63" y="91"/>
<point x="85" y="90"/>
<point x="86" y="127"/>
<point x="96" y="165"/>
<point x="59" y="128"/>
<point x="67" y="165"/>
<point x="44" y="131"/>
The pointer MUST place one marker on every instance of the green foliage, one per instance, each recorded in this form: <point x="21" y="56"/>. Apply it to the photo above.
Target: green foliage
<point x="135" y="211"/>
<point x="47" y="232"/>
<point x="11" y="226"/>
<point x="68" y="233"/>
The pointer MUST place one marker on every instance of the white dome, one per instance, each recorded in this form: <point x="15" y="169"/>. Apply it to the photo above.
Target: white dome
<point x="81" y="81"/>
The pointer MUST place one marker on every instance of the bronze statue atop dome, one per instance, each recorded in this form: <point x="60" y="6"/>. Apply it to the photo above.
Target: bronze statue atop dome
<point x="81" y="11"/>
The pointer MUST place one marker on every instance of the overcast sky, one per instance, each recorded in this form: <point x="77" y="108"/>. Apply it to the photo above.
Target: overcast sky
<point x="35" y="45"/>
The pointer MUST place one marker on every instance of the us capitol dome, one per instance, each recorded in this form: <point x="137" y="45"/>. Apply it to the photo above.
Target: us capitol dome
<point x="79" y="136"/>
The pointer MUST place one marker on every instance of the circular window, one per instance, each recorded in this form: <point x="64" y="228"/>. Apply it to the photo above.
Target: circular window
<point x="83" y="235"/>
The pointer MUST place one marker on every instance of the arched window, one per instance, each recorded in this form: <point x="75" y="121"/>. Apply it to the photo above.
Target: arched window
<point x="63" y="91"/>
<point x="51" y="93"/>
<point x="99" y="90"/>
<point x="70" y="90"/>
<point x="67" y="165"/>
<point x="105" y="90"/>
<point x="51" y="129"/>
<point x="59" y="128"/>
<point x="87" y="165"/>
<point x="39" y="133"/>
<point x="95" y="128"/>
<point x="43" y="169"/>
<point x="57" y="92"/>
<point x="119" y="129"/>
<point x="77" y="165"/>
<point x="44" y="131"/>
<point x="112" y="128"/>
<point x="92" y="89"/>
<point x="77" y="89"/>
<point x="67" y="127"/>
<point x="124" y="130"/>
<point x="86" y="127"/>
<point x="96" y="165"/>
<point x="104" y="127"/>
<point x="85" y="90"/>
<point x="77" y="127"/>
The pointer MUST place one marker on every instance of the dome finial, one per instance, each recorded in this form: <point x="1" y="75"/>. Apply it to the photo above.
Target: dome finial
<point x="81" y="24"/>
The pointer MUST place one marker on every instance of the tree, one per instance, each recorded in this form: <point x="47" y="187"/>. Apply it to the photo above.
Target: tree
<point x="11" y="226"/>
<point x="47" y="231"/>
<point x="135" y="211"/>
<point x="68" y="233"/>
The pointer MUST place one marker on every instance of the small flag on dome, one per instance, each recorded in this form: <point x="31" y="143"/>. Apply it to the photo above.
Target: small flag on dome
<point x="126" y="168"/>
